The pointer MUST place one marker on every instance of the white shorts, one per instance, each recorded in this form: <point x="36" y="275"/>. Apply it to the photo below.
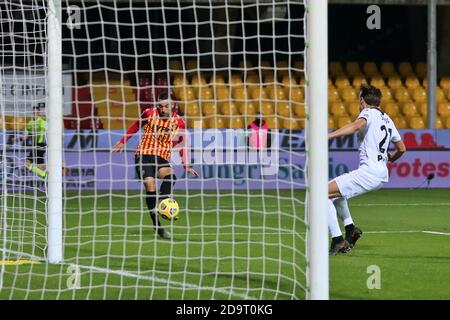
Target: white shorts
<point x="357" y="182"/>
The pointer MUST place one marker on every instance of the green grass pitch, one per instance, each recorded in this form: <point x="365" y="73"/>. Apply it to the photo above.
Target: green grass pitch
<point x="244" y="245"/>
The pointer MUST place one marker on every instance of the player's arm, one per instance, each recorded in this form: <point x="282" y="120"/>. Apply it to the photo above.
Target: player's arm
<point x="135" y="127"/>
<point x="348" y="129"/>
<point x="400" y="149"/>
<point x="181" y="141"/>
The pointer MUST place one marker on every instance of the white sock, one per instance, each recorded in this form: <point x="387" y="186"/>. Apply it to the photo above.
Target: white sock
<point x="343" y="211"/>
<point x="333" y="224"/>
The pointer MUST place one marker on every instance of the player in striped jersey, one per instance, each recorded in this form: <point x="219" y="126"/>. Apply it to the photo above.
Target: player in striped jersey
<point x="163" y="129"/>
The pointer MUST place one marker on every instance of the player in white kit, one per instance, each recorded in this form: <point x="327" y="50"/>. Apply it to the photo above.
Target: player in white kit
<point x="375" y="132"/>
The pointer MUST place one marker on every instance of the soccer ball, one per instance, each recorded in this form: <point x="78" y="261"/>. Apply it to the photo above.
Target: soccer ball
<point x="168" y="209"/>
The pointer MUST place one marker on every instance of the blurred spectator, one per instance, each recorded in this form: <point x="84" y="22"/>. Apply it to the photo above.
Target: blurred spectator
<point x="259" y="134"/>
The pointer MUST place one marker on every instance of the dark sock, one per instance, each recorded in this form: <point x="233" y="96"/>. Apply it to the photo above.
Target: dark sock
<point x="349" y="228"/>
<point x="166" y="187"/>
<point x="338" y="239"/>
<point x="151" y="204"/>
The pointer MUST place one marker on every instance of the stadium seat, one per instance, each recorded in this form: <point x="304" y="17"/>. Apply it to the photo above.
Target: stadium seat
<point x="222" y="93"/>
<point x="405" y="69"/>
<point x="180" y="81"/>
<point x="331" y="124"/>
<point x="421" y="69"/>
<point x="175" y="65"/>
<point x="447" y="123"/>
<point x="300" y="65"/>
<point x="448" y="94"/>
<point x="192" y="109"/>
<point x="377" y="81"/>
<point x="342" y="121"/>
<point x="247" y="107"/>
<point x="443" y="109"/>
<point x="399" y="122"/>
<point x="205" y="93"/>
<point x="272" y="122"/>
<point x="416" y="122"/>
<point x="392" y="109"/>
<point x="299" y="109"/>
<point x="245" y="64"/>
<point x="342" y="82"/>
<point x="276" y="92"/>
<point x="440" y="95"/>
<point x="335" y="67"/>
<point x="409" y="109"/>
<point x="352" y="68"/>
<point x="196" y="122"/>
<point x="412" y="82"/>
<point x="258" y="93"/>
<point x="209" y="108"/>
<point x="401" y="95"/>
<point x="217" y="80"/>
<point x="228" y="108"/>
<point x="289" y="81"/>
<point x="370" y="68"/>
<point x="358" y="81"/>
<point x="387" y="69"/>
<point x="239" y="93"/>
<point x="284" y="109"/>
<point x="296" y="94"/>
<point x="185" y="94"/>
<point x="252" y="78"/>
<point x="419" y="95"/>
<point x="266" y="108"/>
<point x="269" y="78"/>
<point x="291" y="124"/>
<point x="386" y="94"/>
<point x="191" y="65"/>
<point x="439" y="124"/>
<point x="235" y="80"/>
<point x="236" y="122"/>
<point x="333" y="95"/>
<point x="394" y="82"/>
<point x="216" y="122"/>
<point x="338" y="109"/>
<point x="353" y="109"/>
<point x="444" y="83"/>
<point x="348" y="94"/>
<point x="423" y="109"/>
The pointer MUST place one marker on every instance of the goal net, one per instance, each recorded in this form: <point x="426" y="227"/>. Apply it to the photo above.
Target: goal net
<point x="236" y="69"/>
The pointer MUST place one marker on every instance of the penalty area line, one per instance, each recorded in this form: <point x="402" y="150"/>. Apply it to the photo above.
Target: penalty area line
<point x="436" y="232"/>
<point x="182" y="285"/>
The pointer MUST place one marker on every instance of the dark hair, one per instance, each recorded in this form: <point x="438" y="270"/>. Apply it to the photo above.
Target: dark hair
<point x="165" y="95"/>
<point x="371" y="95"/>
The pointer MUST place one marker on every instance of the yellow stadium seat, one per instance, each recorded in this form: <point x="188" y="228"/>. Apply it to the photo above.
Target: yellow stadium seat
<point x="342" y="82"/>
<point x="299" y="65"/>
<point x="401" y="95"/>
<point x="299" y="109"/>
<point x="439" y="123"/>
<point x="387" y="69"/>
<point x="235" y="80"/>
<point x="423" y="109"/>
<point x="186" y="94"/>
<point x="333" y="95"/>
<point x="405" y="69"/>
<point x="335" y="68"/>
<point x="448" y="94"/>
<point x="419" y="95"/>
<point x="412" y="82"/>
<point x="239" y="93"/>
<point x="352" y="68"/>
<point x="331" y="124"/>
<point x="236" y="123"/>
<point x="338" y="109"/>
<point x="266" y="108"/>
<point x="291" y="124"/>
<point x="440" y="95"/>
<point x="302" y="81"/>
<point x="421" y="69"/>
<point x="205" y="93"/>
<point x="394" y="82"/>
<point x="349" y="94"/>
<point x="284" y="109"/>
<point x="175" y="65"/>
<point x="272" y="122"/>
<point x="392" y="109"/>
<point x="192" y="109"/>
<point x="276" y="92"/>
<point x="191" y="65"/>
<point x="342" y="121"/>
<point x="289" y="83"/>
<point x="252" y="78"/>
<point x="409" y="109"/>
<point x="228" y="108"/>
<point x="222" y="93"/>
<point x="358" y="81"/>
<point x="180" y="80"/>
<point x="258" y="93"/>
<point x="447" y="123"/>
<point x="370" y="68"/>
<point x="416" y="122"/>
<point x="247" y="108"/>
<point x="217" y="80"/>
<point x="377" y="81"/>
<point x="296" y="94"/>
<point x="445" y="82"/>
<point x="269" y="78"/>
<point x="386" y="94"/>
<point x="196" y="122"/>
<point x="353" y="109"/>
<point x="443" y="109"/>
<point x="209" y="108"/>
<point x="245" y="64"/>
<point x="400" y="122"/>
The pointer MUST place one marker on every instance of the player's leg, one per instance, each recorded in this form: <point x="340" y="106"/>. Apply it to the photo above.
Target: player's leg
<point x="167" y="175"/>
<point x="352" y="233"/>
<point x="32" y="163"/>
<point x="338" y="243"/>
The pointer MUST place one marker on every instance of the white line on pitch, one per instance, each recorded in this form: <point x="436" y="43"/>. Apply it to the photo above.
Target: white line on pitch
<point x="435" y="232"/>
<point x="183" y="285"/>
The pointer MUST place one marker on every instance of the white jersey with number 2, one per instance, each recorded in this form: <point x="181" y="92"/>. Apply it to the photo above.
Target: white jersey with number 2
<point x="374" y="139"/>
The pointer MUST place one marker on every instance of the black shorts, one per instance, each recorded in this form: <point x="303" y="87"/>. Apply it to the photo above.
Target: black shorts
<point x="36" y="154"/>
<point x="149" y="165"/>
